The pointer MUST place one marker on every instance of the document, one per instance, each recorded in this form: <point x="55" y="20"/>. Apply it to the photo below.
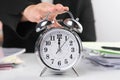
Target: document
<point x="7" y="52"/>
<point x="8" y="57"/>
<point x="104" y="57"/>
<point x="97" y="46"/>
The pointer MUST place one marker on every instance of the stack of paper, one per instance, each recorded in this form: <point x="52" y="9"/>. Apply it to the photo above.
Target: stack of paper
<point x="10" y="62"/>
<point x="8" y="57"/>
<point x="103" y="57"/>
<point x="106" y="62"/>
<point x="98" y="46"/>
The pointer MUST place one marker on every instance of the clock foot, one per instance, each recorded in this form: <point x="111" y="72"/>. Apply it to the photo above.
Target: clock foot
<point x="44" y="69"/>
<point x="75" y="71"/>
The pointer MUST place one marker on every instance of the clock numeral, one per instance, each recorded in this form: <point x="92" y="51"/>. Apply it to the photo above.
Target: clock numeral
<point x="48" y="43"/>
<point x="47" y="56"/>
<point x="52" y="38"/>
<point x="45" y="49"/>
<point x="72" y="49"/>
<point x="66" y="38"/>
<point x="59" y="63"/>
<point x="59" y="36"/>
<point x="71" y="43"/>
<point x="71" y="56"/>
<point x="52" y="61"/>
<point x="66" y="61"/>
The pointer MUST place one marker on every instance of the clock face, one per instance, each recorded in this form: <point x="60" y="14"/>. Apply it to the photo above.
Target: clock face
<point x="59" y="49"/>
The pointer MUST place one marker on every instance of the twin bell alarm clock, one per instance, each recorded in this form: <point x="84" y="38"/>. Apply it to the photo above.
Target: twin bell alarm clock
<point x="59" y="48"/>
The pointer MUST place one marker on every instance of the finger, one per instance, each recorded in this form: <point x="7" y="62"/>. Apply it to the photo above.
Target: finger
<point x="37" y="18"/>
<point x="52" y="17"/>
<point x="51" y="9"/>
<point x="56" y="24"/>
<point x="66" y="8"/>
<point x="38" y="21"/>
<point x="59" y="7"/>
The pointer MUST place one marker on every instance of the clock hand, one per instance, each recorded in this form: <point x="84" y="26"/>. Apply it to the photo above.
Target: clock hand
<point x="62" y="45"/>
<point x="59" y="44"/>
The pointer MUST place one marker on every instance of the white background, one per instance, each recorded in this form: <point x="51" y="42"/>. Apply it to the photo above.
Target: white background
<point x="107" y="17"/>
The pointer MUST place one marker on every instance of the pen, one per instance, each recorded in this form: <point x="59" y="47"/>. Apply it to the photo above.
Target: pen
<point x="111" y="48"/>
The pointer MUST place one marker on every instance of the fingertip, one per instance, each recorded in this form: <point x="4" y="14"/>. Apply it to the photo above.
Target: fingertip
<point x="66" y="8"/>
<point x="37" y="19"/>
<point x="37" y="22"/>
<point x="60" y="5"/>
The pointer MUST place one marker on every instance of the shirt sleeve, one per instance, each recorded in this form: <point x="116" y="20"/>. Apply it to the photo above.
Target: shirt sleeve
<point x="10" y="11"/>
<point x="13" y="6"/>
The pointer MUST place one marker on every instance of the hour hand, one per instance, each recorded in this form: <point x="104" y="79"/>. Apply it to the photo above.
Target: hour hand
<point x="59" y="49"/>
<point x="59" y="44"/>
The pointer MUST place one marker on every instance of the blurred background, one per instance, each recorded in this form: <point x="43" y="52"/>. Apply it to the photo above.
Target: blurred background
<point x="107" y="17"/>
<point x="1" y="34"/>
<point x="107" y="20"/>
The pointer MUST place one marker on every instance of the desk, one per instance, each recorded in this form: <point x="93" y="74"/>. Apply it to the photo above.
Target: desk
<point x="31" y="68"/>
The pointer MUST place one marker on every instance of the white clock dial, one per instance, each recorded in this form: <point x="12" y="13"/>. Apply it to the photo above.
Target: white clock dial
<point x="59" y="49"/>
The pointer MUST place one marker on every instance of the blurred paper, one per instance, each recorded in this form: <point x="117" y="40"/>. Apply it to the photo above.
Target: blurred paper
<point x="106" y="62"/>
<point x="103" y="57"/>
<point x="9" y="58"/>
<point x="98" y="45"/>
<point x="9" y="52"/>
<point x="12" y="59"/>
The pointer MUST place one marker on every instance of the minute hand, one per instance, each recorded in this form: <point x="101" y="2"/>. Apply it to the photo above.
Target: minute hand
<point x="62" y="46"/>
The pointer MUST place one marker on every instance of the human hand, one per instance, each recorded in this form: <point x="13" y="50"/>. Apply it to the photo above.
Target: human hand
<point x="35" y="13"/>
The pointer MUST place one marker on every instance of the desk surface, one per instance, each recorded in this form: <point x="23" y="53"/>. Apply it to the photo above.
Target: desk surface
<point x="31" y="68"/>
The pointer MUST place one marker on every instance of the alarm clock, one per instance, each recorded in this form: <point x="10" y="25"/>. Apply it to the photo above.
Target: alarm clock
<point x="59" y="49"/>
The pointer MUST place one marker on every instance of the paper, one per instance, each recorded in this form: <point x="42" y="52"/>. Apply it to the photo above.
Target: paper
<point x="105" y="62"/>
<point x="97" y="46"/>
<point x="9" y="59"/>
<point x="103" y="57"/>
<point x="10" y="62"/>
<point x="7" y="52"/>
<point x="12" y="59"/>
